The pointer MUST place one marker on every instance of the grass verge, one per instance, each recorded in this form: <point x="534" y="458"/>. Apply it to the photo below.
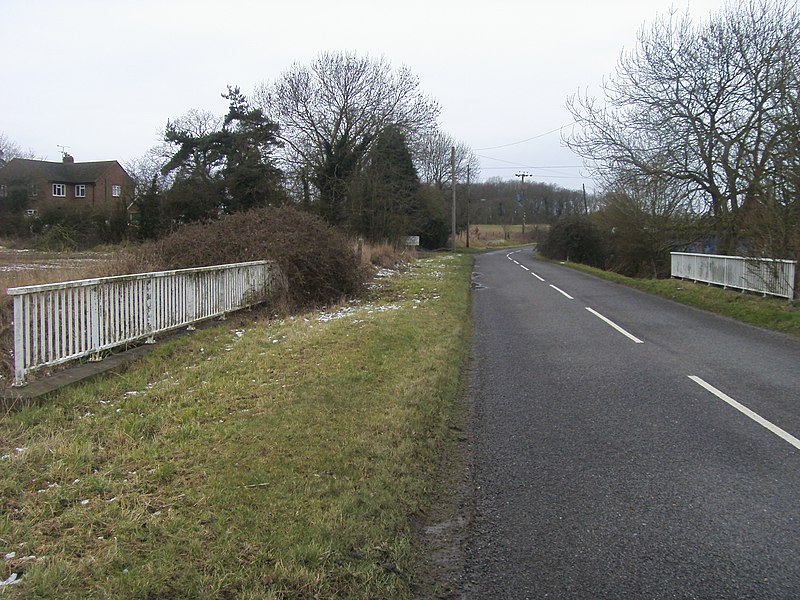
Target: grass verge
<point x="251" y="460"/>
<point x="770" y="313"/>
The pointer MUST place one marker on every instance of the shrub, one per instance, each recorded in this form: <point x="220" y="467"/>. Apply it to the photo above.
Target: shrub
<point x="64" y="228"/>
<point x="318" y="263"/>
<point x="434" y="234"/>
<point x="575" y="239"/>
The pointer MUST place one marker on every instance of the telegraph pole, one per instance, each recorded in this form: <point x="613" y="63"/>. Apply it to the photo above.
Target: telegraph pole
<point x="453" y="175"/>
<point x="467" y="206"/>
<point x="523" y="175"/>
<point x="585" y="204"/>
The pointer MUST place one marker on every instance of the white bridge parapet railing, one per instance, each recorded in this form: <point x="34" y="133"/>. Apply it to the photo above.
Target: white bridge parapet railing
<point x="59" y="322"/>
<point x="761" y="275"/>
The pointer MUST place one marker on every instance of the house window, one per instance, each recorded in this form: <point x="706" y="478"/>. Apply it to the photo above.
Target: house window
<point x="59" y="190"/>
<point x="33" y="190"/>
<point x="80" y="190"/>
<point x="116" y="191"/>
<point x="3" y="190"/>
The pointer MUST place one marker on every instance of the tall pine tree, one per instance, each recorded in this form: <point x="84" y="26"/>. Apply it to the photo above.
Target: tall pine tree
<point x="388" y="203"/>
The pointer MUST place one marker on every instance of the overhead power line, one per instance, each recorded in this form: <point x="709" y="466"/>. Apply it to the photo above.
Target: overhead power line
<point x="517" y="164"/>
<point x="547" y="176"/>
<point x="536" y="137"/>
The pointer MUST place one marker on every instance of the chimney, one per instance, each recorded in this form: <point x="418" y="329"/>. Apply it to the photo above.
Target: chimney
<point x="68" y="160"/>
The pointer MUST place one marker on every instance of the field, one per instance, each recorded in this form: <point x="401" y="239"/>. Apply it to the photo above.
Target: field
<point x="486" y="236"/>
<point x="255" y="459"/>
<point x="28" y="267"/>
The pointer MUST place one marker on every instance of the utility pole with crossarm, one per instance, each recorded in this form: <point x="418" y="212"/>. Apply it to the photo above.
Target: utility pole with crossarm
<point x="523" y="175"/>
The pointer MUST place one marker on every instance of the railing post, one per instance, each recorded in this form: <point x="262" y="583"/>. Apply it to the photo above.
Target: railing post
<point x="150" y="311"/>
<point x="94" y="319"/>
<point x="20" y="327"/>
<point x="191" y="294"/>
<point x="725" y="274"/>
<point x="221" y="279"/>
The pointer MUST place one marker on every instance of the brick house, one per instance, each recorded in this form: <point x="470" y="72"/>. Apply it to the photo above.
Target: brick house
<point x="28" y="184"/>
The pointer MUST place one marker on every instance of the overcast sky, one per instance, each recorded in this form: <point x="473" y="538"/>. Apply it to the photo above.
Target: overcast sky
<point x="103" y="76"/>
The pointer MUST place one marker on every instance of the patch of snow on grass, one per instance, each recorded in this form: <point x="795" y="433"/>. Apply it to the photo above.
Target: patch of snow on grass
<point x="12" y="580"/>
<point x="345" y="311"/>
<point x="384" y="308"/>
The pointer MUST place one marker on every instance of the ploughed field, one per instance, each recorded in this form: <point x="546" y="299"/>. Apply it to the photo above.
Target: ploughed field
<point x="29" y="267"/>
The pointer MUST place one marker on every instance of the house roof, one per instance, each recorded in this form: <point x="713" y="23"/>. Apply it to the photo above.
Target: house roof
<point x="23" y="169"/>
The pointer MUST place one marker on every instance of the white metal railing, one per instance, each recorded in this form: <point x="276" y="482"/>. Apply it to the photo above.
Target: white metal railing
<point x="59" y="322"/>
<point x="762" y="275"/>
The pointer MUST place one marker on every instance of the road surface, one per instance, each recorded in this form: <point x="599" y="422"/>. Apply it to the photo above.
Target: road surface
<point x="624" y="446"/>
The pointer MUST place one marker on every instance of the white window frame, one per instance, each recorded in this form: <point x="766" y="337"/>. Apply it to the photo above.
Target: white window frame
<point x="59" y="190"/>
<point x="116" y="191"/>
<point x="80" y="190"/>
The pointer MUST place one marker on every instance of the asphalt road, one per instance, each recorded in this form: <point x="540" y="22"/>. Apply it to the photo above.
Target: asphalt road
<point x="611" y="455"/>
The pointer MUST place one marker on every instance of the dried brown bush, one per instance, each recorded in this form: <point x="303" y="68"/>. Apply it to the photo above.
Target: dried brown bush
<point x="317" y="261"/>
<point x="386" y="256"/>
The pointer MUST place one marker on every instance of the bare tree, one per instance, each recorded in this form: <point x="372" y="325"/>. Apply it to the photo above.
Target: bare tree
<point x="10" y="149"/>
<point x="330" y="114"/>
<point x="642" y="220"/>
<point x="432" y="158"/>
<point x="148" y="171"/>
<point x="704" y="105"/>
<point x="195" y="124"/>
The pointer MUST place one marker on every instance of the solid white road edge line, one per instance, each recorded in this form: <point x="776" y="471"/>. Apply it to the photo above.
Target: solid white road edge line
<point x="561" y="292"/>
<point x="746" y="411"/>
<point x="615" y="326"/>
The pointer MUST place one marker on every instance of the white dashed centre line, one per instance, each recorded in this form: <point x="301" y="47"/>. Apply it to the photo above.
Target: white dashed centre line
<point x="746" y="411"/>
<point x="615" y="326"/>
<point x="561" y="292"/>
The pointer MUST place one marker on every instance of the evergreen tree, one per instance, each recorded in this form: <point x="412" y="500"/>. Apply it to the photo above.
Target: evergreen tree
<point x="223" y="170"/>
<point x="150" y="223"/>
<point x="388" y="205"/>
